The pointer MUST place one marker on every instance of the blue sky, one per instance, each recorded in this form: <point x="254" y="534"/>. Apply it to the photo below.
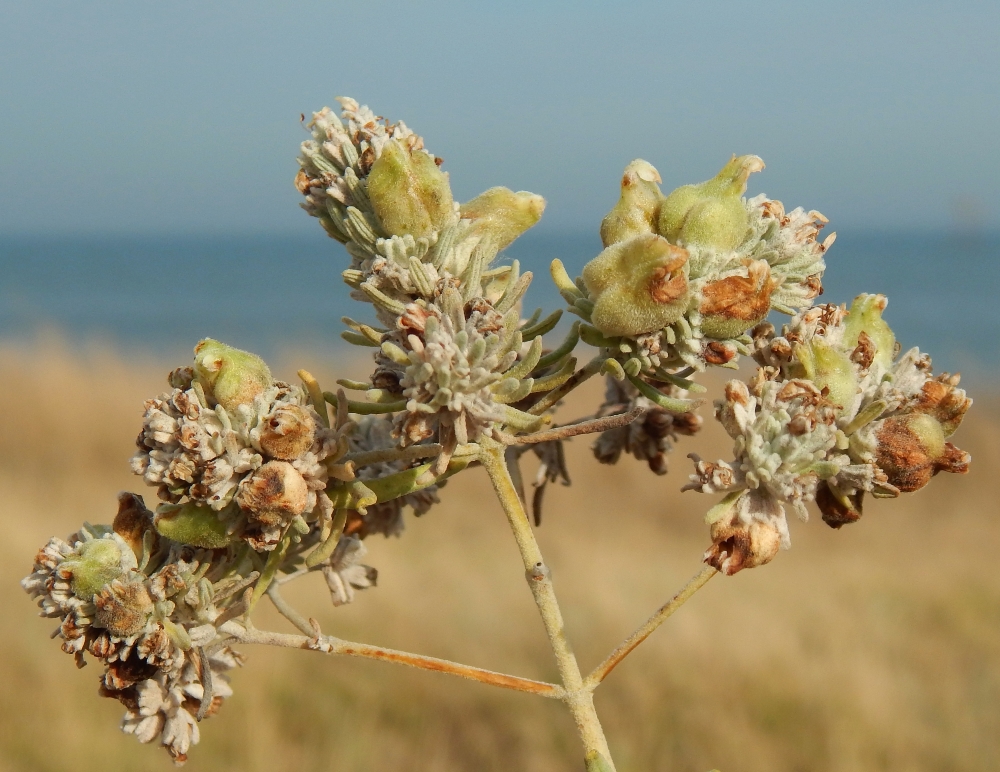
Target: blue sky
<point x="184" y="116"/>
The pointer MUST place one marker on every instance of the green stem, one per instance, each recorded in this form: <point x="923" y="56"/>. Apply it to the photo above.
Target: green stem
<point x="578" y="698"/>
<point x="587" y="371"/>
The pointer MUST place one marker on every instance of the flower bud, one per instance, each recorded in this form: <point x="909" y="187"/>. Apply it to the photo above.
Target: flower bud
<point x="638" y="207"/>
<point x="829" y="368"/>
<point x="192" y="524"/>
<point x="229" y="376"/>
<point x="911" y="448"/>
<point x="502" y="215"/>
<point x="274" y="493"/>
<point x="287" y="432"/>
<point x="409" y="193"/>
<point x="942" y="399"/>
<point x="637" y="286"/>
<point x="731" y="306"/>
<point x="865" y="318"/>
<point x="737" y="545"/>
<point x="123" y="607"/>
<point x="710" y="214"/>
<point x="99" y="562"/>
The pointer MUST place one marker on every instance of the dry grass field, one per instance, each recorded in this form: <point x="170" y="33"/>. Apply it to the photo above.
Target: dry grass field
<point x="873" y="648"/>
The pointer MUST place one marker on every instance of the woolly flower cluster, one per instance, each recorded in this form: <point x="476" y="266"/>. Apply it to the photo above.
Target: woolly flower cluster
<point x="376" y="189"/>
<point x="683" y="277"/>
<point x="457" y="366"/>
<point x="830" y="415"/>
<point x="258" y="466"/>
<point x="147" y="609"/>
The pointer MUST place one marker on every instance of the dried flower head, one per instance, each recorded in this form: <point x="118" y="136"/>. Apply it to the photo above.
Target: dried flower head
<point x="650" y="438"/>
<point x="376" y="189"/>
<point x="256" y="466"/>
<point x="743" y="259"/>
<point x="828" y="417"/>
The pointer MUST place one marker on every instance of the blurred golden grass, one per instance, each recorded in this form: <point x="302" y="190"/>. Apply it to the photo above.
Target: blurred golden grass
<point x="873" y="648"/>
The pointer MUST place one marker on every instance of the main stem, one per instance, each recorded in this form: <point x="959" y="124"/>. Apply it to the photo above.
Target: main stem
<point x="579" y="699"/>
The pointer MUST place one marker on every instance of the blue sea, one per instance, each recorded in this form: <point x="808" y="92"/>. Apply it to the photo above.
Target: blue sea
<point x="267" y="293"/>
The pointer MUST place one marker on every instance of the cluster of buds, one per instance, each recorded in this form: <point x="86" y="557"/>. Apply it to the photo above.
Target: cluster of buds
<point x="831" y="414"/>
<point x="234" y="454"/>
<point x="374" y="187"/>
<point x="684" y="277"/>
<point x="147" y="608"/>
<point x="253" y="482"/>
<point x="453" y="355"/>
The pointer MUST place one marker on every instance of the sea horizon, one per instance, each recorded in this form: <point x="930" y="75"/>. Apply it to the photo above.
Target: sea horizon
<point x="271" y="292"/>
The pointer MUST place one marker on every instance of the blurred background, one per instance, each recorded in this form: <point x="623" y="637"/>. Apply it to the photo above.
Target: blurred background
<point x="146" y="201"/>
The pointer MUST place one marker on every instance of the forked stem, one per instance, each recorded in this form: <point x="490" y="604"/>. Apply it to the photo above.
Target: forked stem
<point x="579" y="698"/>
<point x="247" y="634"/>
<point x="625" y="647"/>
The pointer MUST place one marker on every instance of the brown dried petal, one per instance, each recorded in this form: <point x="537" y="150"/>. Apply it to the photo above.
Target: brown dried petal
<point x="864" y="353"/>
<point x="287" y="433"/>
<point x="718" y="353"/>
<point x="911" y="450"/>
<point x="123" y="608"/>
<point x="744" y="299"/>
<point x="274" y="493"/>
<point x="941" y="399"/>
<point x="838" y="511"/>
<point x="668" y="283"/>
<point x="738" y="546"/>
<point x="133" y="521"/>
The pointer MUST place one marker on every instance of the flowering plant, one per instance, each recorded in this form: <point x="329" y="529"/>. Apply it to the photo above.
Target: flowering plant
<point x="261" y="482"/>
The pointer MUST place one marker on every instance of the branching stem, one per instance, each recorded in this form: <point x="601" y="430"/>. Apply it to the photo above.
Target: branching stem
<point x="579" y="699"/>
<point x="411" y="453"/>
<point x="330" y="645"/>
<point x="572" y="430"/>
<point x="625" y="647"/>
<point x="593" y="367"/>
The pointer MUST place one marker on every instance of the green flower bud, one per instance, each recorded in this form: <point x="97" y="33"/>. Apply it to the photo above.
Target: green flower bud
<point x="192" y="524"/>
<point x="409" y="193"/>
<point x="503" y="215"/>
<point x="639" y="206"/>
<point x="911" y="448"/>
<point x="229" y="376"/>
<point x="865" y="317"/>
<point x="711" y="214"/>
<point x="637" y="286"/>
<point x="830" y="368"/>
<point x="100" y="562"/>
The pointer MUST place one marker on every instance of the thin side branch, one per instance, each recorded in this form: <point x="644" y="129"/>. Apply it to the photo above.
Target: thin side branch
<point x="573" y="430"/>
<point x="411" y="453"/>
<point x="629" y="644"/>
<point x="330" y="645"/>
<point x="287" y="610"/>
<point x="593" y="367"/>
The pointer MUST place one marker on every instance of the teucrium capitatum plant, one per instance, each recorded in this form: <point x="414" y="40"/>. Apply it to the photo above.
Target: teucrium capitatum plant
<point x="261" y="482"/>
